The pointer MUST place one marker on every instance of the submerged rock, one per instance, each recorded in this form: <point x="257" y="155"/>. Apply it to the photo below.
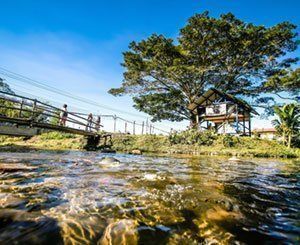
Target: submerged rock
<point x="28" y="228"/>
<point x="108" y="150"/>
<point x="11" y="201"/>
<point x="14" y="167"/>
<point x="121" y="232"/>
<point x="234" y="159"/>
<point x="136" y="152"/>
<point x="109" y="160"/>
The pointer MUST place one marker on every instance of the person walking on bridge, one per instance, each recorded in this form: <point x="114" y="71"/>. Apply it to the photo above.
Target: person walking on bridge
<point x="63" y="115"/>
<point x="89" y="122"/>
<point x="97" y="125"/>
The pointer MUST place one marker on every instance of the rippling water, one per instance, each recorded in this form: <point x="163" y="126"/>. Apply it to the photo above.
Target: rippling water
<point x="72" y="198"/>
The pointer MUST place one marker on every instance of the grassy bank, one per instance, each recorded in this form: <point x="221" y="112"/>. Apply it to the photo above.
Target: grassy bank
<point x="220" y="145"/>
<point x="47" y="141"/>
<point x="204" y="144"/>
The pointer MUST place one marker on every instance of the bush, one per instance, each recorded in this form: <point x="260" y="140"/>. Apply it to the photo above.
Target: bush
<point x="56" y="136"/>
<point x="192" y="137"/>
<point x="230" y="141"/>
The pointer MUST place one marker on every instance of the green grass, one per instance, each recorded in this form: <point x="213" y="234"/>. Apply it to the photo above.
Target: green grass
<point x="237" y="146"/>
<point x="46" y="141"/>
<point x="159" y="144"/>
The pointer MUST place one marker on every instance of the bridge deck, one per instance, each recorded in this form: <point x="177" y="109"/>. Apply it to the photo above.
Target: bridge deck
<point x="31" y="123"/>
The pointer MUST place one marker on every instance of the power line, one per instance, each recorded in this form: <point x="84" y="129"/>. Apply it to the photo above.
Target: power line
<point x="44" y="86"/>
<point x="48" y="88"/>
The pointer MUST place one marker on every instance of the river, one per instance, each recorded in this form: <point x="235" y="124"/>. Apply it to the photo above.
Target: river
<point x="71" y="198"/>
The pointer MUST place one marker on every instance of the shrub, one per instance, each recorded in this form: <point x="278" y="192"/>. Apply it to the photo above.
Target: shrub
<point x="56" y="136"/>
<point x="230" y="141"/>
<point x="192" y="137"/>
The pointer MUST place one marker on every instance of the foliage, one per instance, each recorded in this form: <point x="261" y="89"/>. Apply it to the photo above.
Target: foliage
<point x="242" y="146"/>
<point x="230" y="140"/>
<point x="55" y="120"/>
<point x="165" y="77"/>
<point x="56" y="136"/>
<point x="284" y="80"/>
<point x="145" y="143"/>
<point x="288" y="122"/>
<point x="12" y="108"/>
<point x="192" y="136"/>
<point x="246" y="146"/>
<point x="4" y="87"/>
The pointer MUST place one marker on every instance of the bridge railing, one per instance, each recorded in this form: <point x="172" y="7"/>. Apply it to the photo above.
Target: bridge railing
<point x="24" y="108"/>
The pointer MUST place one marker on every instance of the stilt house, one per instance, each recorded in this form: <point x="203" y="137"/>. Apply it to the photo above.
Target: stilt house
<point x="223" y="112"/>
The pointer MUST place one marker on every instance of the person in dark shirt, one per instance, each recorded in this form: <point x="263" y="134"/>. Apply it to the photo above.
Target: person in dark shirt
<point x="89" y="122"/>
<point x="63" y="115"/>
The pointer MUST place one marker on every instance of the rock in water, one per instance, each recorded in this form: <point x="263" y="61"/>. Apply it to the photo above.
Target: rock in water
<point x="14" y="167"/>
<point x="109" y="160"/>
<point x="150" y="177"/>
<point x="136" y="152"/>
<point x="120" y="232"/>
<point x="234" y="159"/>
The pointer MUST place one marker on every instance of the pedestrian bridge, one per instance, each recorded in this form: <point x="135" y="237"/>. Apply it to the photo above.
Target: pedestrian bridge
<point x="23" y="116"/>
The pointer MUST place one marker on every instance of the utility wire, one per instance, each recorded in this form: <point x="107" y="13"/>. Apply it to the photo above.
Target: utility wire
<point x="46" y="87"/>
<point x="85" y="114"/>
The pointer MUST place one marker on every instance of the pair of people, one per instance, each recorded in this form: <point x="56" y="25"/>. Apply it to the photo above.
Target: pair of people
<point x="63" y="116"/>
<point x="90" y="123"/>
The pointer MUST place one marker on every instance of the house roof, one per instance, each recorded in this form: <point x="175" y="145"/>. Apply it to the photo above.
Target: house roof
<point x="264" y="130"/>
<point x="213" y="94"/>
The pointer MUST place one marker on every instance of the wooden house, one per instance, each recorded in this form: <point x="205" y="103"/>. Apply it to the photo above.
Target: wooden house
<point x="223" y="112"/>
<point x="266" y="133"/>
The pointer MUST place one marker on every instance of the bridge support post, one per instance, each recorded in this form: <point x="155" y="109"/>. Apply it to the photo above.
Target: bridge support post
<point x="92" y="142"/>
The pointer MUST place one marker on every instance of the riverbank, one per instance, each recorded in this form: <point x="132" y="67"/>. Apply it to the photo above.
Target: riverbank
<point x="158" y="144"/>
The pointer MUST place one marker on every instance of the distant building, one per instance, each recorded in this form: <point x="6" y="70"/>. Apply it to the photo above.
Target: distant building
<point x="266" y="133"/>
<point x="223" y="112"/>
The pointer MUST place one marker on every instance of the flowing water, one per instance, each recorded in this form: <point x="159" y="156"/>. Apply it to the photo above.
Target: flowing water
<point x="71" y="198"/>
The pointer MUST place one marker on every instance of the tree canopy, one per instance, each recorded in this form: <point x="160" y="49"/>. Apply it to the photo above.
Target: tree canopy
<point x="164" y="76"/>
<point x="284" y="80"/>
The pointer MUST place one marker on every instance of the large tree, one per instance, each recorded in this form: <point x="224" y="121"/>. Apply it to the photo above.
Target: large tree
<point x="166" y="76"/>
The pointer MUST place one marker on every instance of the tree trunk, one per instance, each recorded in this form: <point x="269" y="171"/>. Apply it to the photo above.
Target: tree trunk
<point x="193" y="121"/>
<point x="289" y="141"/>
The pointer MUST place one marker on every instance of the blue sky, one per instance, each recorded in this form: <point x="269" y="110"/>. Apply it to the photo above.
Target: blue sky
<point x="77" y="45"/>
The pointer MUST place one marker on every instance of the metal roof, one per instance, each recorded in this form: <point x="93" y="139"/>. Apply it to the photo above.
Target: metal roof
<point x="213" y="94"/>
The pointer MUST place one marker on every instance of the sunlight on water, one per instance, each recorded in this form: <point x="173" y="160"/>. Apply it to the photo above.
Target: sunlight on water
<point x="72" y="198"/>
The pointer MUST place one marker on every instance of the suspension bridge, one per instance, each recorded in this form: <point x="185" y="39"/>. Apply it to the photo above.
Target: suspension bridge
<point x="24" y="116"/>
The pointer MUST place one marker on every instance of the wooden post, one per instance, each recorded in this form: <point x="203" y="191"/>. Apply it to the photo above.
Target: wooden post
<point x="33" y="109"/>
<point x="197" y="118"/>
<point x="133" y="128"/>
<point x="249" y="124"/>
<point x="21" y="108"/>
<point x="125" y="127"/>
<point x="143" y="127"/>
<point x="147" y="126"/>
<point x="150" y="128"/>
<point x="244" y="124"/>
<point x="115" y="123"/>
<point x="236" y="118"/>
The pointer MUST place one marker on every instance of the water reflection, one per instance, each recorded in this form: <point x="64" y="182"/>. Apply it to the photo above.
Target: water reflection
<point x="71" y="198"/>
